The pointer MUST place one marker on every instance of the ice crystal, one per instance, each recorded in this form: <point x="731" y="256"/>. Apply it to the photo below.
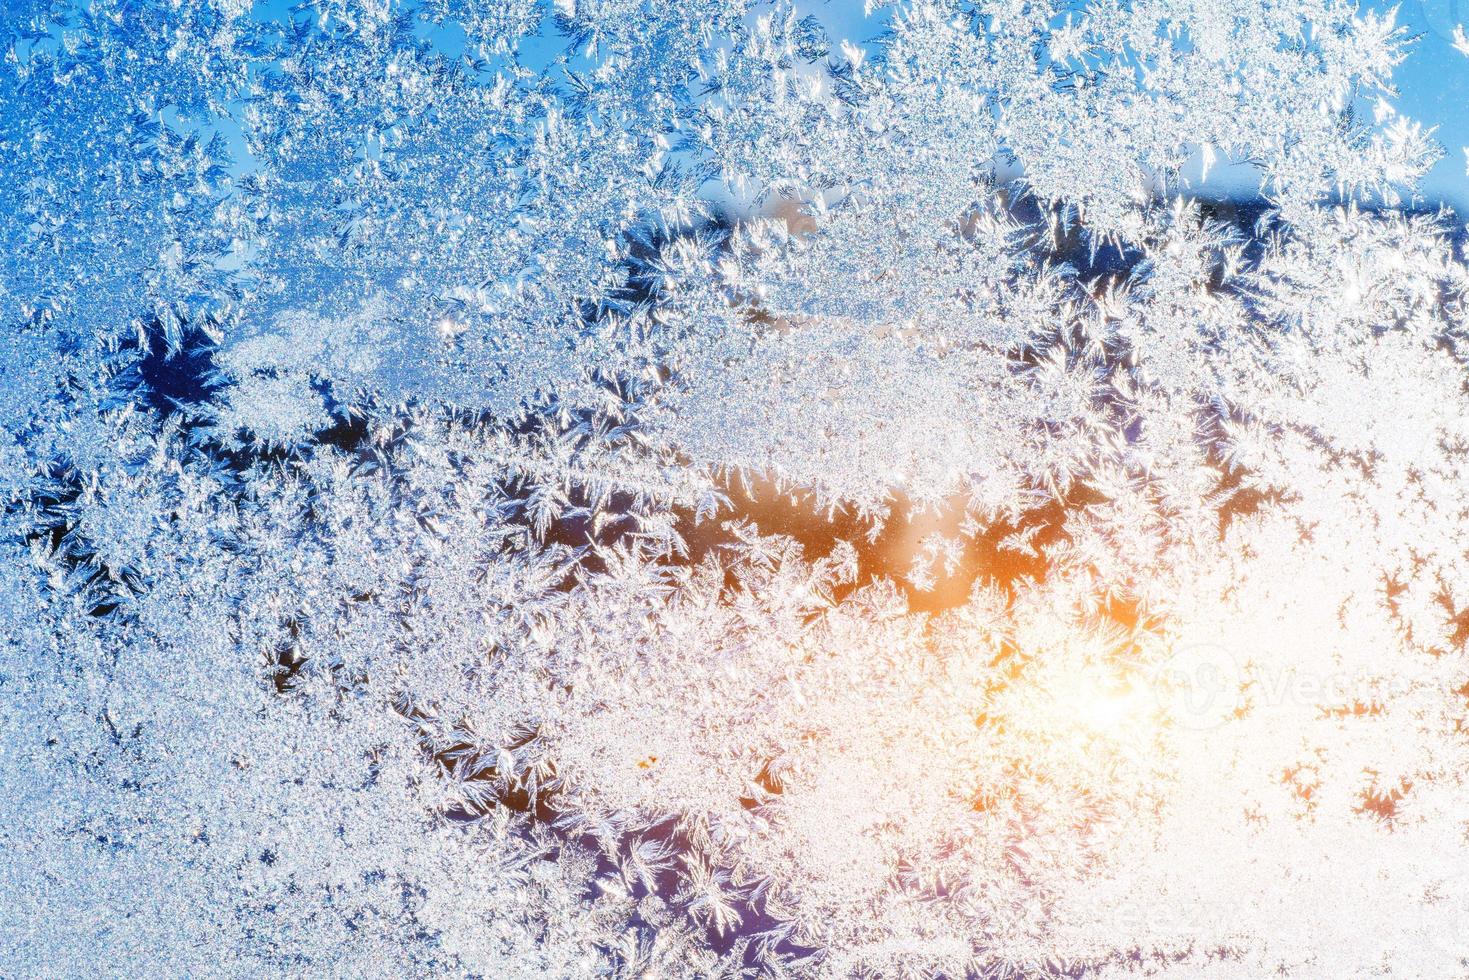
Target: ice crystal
<point x="511" y="488"/>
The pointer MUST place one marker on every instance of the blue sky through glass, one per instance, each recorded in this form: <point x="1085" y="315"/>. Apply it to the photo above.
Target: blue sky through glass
<point x="1433" y="86"/>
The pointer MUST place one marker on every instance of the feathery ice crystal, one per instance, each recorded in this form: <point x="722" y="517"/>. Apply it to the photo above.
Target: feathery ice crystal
<point x="643" y="488"/>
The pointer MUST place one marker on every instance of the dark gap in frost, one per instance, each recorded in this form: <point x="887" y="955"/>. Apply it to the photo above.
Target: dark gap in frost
<point x="176" y="378"/>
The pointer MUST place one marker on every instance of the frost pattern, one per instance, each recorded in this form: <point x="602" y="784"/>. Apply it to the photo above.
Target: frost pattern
<point x="452" y="454"/>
